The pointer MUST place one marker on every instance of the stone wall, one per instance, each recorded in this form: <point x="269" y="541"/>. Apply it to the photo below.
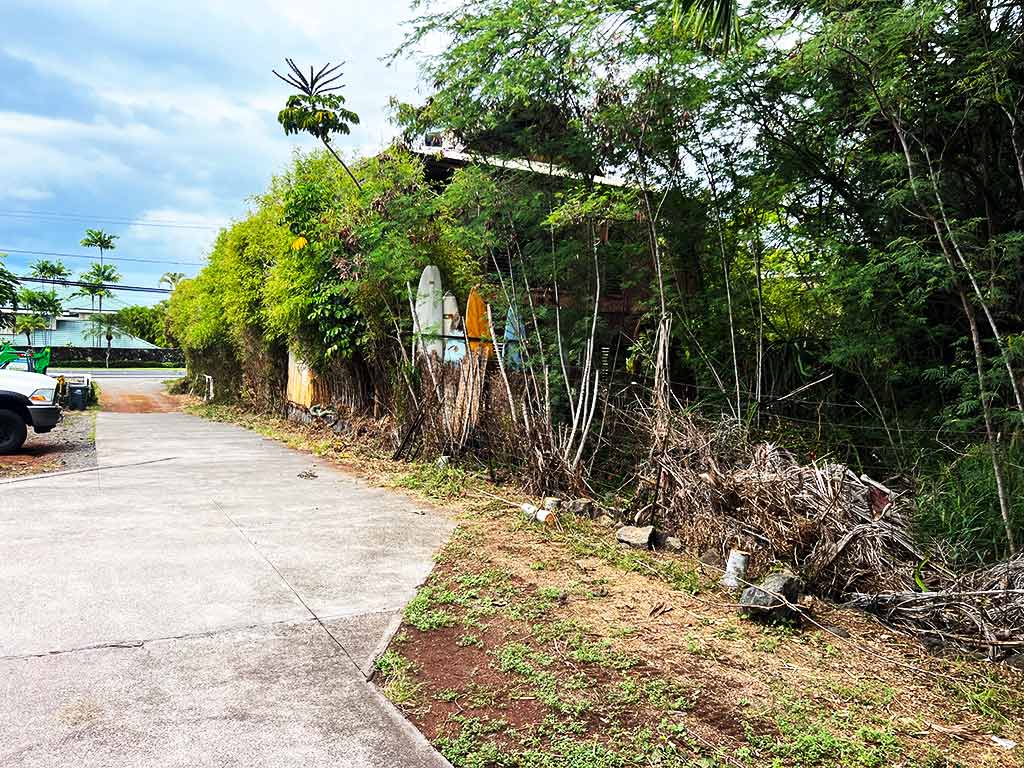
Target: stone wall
<point x="118" y="357"/>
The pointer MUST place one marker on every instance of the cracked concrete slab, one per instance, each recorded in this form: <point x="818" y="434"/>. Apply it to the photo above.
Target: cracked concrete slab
<point x="365" y="636"/>
<point x="218" y="548"/>
<point x="278" y="696"/>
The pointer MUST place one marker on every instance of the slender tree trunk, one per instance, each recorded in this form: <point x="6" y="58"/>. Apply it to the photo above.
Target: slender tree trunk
<point x="986" y="408"/>
<point x="725" y="271"/>
<point x="760" y="324"/>
<point x="338" y="158"/>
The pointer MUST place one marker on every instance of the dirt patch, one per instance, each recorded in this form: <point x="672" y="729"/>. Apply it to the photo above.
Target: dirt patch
<point x="139" y="403"/>
<point x="471" y="686"/>
<point x="129" y="395"/>
<point x="70" y="445"/>
<point x="539" y="647"/>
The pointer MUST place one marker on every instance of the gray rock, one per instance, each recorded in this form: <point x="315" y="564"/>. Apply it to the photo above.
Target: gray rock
<point x="580" y="507"/>
<point x="606" y="520"/>
<point x="713" y="558"/>
<point x="669" y="543"/>
<point x="634" y="536"/>
<point x="552" y="503"/>
<point x="763" y="601"/>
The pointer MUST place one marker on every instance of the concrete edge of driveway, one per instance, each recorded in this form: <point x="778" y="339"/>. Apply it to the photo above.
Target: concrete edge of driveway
<point x="382" y="646"/>
<point x="83" y="470"/>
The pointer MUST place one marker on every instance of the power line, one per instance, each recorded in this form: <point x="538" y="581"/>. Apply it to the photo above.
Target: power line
<point x="160" y="223"/>
<point x="105" y="286"/>
<point x="105" y="257"/>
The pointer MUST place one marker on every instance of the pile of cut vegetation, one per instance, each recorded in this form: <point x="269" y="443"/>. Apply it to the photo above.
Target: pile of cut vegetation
<point x="848" y="535"/>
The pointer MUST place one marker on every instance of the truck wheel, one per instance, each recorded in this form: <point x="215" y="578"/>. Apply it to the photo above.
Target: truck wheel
<point x="12" y="431"/>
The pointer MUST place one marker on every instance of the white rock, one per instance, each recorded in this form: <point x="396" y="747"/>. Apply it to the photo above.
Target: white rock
<point x="636" y="536"/>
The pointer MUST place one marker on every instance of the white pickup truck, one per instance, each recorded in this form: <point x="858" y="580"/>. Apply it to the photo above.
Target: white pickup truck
<point x="26" y="400"/>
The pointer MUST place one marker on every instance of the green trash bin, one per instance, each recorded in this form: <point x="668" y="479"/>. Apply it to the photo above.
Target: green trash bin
<point x="78" y="396"/>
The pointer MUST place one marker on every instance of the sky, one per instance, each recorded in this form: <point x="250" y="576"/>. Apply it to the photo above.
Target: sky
<point x="156" y="121"/>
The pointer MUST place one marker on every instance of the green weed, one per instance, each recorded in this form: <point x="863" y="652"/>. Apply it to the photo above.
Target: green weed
<point x="422" y="613"/>
<point x="396" y="672"/>
<point x="442" y="482"/>
<point x="804" y="740"/>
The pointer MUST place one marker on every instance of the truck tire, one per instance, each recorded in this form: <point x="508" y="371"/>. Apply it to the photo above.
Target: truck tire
<point x="12" y="431"/>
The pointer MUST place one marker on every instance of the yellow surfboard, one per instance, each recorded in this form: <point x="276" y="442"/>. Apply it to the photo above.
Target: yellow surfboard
<point x="477" y="326"/>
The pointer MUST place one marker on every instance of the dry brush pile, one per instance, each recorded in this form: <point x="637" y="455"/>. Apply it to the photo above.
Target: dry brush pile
<point x="849" y="536"/>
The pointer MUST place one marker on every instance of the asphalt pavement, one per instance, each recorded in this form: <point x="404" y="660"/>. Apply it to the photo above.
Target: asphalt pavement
<point x="206" y="597"/>
<point x="160" y="374"/>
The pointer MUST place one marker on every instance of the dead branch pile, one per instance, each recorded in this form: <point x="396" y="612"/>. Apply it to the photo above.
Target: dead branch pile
<point x="982" y="609"/>
<point x="849" y="536"/>
<point x="715" y="489"/>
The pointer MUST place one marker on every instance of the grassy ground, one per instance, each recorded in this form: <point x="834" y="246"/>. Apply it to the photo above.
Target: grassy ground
<point x="544" y="647"/>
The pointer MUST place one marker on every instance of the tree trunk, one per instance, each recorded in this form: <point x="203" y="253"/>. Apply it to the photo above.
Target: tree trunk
<point x="338" y="158"/>
<point x="986" y="409"/>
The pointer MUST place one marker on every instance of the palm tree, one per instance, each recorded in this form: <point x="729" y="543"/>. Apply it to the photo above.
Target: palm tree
<point x="44" y="304"/>
<point x="171" y="278"/>
<point x="8" y="293"/>
<point x="97" y="238"/>
<point x="715" y="23"/>
<point x="51" y="270"/>
<point x="29" y="324"/>
<point x="95" y="278"/>
<point x="106" y="326"/>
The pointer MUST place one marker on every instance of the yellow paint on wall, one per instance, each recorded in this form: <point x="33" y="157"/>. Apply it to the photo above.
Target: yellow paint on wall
<point x="300" y="382"/>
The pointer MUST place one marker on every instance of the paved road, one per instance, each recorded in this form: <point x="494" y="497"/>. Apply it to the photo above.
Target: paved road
<point x="197" y="603"/>
<point x="160" y="374"/>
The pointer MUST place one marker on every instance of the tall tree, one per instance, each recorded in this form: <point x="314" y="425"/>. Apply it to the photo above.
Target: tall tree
<point x="44" y="304"/>
<point x="29" y="324"/>
<point x="49" y="270"/>
<point x="171" y="279"/>
<point x="96" y="278"/>
<point x="317" y="109"/>
<point x="146" y="323"/>
<point x="8" y="293"/>
<point x="104" y="325"/>
<point x="97" y="238"/>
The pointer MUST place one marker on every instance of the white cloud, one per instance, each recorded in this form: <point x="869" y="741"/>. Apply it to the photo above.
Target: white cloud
<point x="189" y="237"/>
<point x="43" y="166"/>
<point x="25" y="194"/>
<point x="174" y="106"/>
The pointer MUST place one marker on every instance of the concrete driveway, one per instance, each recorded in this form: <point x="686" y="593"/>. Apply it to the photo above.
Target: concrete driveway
<point x="195" y="602"/>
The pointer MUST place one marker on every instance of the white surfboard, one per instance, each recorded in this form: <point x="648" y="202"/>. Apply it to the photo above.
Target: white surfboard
<point x="429" y="320"/>
<point x="454" y="348"/>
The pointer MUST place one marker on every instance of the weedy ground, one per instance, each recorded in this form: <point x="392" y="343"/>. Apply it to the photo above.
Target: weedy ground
<point x="554" y="647"/>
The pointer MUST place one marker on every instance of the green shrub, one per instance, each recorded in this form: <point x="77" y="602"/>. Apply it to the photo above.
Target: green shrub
<point x="958" y="506"/>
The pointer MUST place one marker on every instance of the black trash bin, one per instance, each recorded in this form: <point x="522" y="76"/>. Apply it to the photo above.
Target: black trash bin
<point x="78" y="397"/>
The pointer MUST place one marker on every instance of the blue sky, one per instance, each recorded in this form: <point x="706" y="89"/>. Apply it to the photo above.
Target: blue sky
<point x="122" y="115"/>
